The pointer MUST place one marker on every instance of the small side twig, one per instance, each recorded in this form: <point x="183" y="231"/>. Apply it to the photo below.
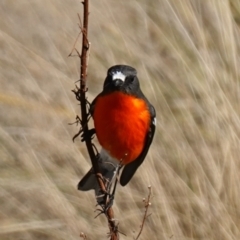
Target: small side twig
<point x="147" y="204"/>
<point x="83" y="236"/>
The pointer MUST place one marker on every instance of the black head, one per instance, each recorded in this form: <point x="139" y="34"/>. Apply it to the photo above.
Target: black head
<point x="121" y="78"/>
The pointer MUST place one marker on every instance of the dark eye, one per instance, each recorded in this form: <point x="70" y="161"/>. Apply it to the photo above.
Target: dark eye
<point x="130" y="79"/>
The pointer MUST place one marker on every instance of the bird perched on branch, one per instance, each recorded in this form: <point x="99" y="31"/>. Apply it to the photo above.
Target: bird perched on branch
<point x="124" y="122"/>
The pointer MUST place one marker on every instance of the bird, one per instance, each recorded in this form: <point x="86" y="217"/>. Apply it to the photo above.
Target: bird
<point x="124" y="122"/>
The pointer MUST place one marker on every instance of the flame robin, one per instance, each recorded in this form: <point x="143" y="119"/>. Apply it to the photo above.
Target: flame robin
<point x="124" y="122"/>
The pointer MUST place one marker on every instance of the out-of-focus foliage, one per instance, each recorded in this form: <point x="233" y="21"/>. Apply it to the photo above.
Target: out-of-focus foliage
<point x="187" y="56"/>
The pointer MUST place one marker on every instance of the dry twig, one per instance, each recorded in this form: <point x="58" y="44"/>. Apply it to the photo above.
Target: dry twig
<point x="83" y="236"/>
<point x="81" y="97"/>
<point x="147" y="204"/>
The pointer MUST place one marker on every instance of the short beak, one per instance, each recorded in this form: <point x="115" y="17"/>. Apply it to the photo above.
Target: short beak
<point x="117" y="82"/>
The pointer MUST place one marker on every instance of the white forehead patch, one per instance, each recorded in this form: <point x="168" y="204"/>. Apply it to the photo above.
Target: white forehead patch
<point x="118" y="75"/>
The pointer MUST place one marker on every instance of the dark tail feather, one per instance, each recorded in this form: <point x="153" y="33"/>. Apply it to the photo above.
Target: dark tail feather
<point x="89" y="181"/>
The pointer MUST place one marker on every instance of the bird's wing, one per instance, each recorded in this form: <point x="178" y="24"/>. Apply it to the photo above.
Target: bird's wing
<point x="131" y="168"/>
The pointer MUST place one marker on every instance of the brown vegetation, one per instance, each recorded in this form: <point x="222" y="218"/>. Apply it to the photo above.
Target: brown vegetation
<point x="187" y="56"/>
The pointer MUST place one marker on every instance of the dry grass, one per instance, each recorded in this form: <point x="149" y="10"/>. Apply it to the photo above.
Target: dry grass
<point x="188" y="57"/>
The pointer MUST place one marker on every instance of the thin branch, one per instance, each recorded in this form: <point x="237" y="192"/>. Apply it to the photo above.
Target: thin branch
<point x="81" y="97"/>
<point x="147" y="204"/>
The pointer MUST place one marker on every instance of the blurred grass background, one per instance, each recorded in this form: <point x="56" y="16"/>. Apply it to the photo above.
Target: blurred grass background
<point x="187" y="56"/>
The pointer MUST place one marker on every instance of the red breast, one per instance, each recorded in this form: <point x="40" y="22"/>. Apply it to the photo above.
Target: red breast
<point x="121" y="122"/>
